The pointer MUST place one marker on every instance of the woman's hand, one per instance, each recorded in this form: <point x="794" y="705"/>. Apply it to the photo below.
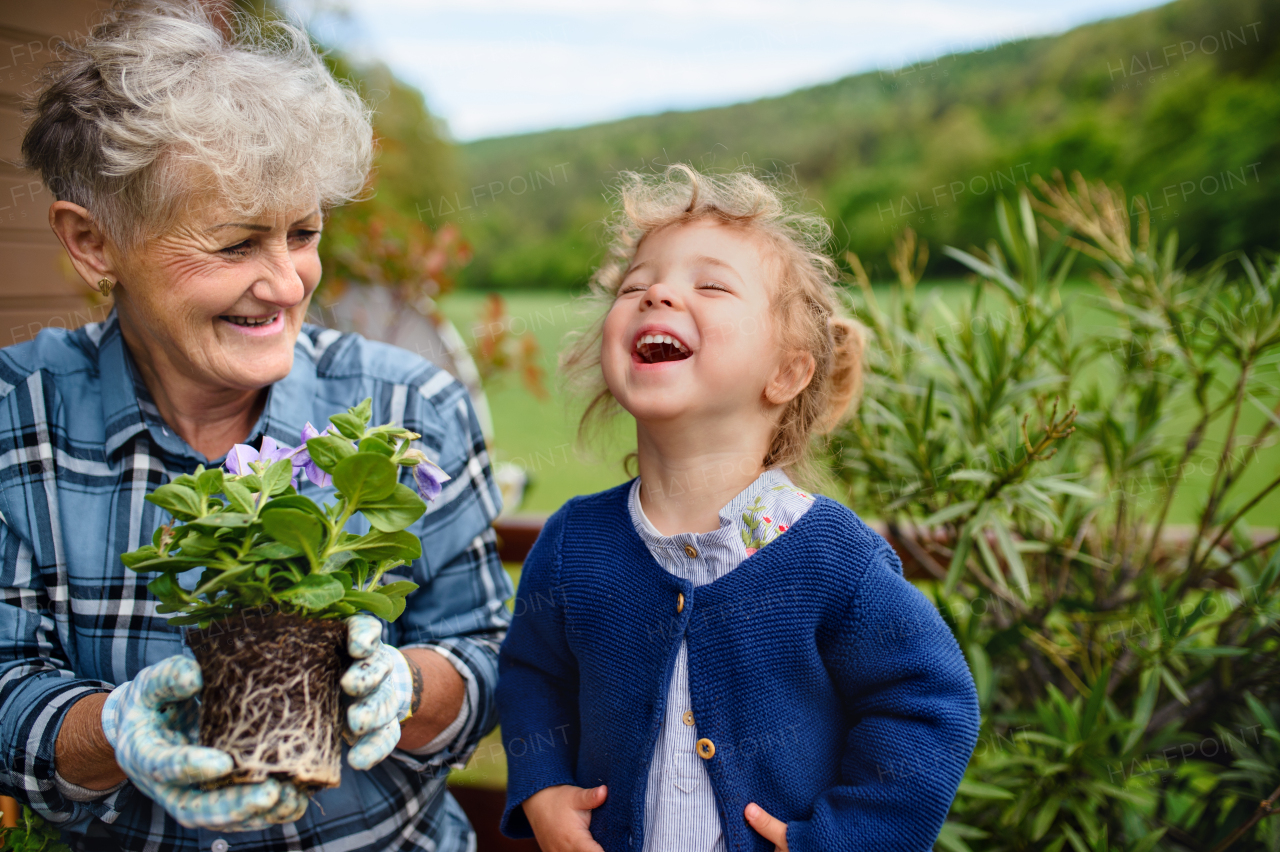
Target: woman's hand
<point x="152" y="724"/>
<point x="771" y="829"/>
<point x="561" y="817"/>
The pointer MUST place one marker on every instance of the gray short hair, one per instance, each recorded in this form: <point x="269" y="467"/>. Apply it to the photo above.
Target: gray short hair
<point x="161" y="102"/>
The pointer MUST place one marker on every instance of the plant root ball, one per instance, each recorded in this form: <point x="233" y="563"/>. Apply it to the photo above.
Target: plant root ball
<point x="271" y="698"/>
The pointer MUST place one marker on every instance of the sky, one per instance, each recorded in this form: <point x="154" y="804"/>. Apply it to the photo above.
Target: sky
<point x="503" y="67"/>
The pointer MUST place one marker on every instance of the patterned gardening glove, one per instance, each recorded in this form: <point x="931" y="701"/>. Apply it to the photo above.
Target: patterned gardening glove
<point x="152" y="722"/>
<point x="382" y="685"/>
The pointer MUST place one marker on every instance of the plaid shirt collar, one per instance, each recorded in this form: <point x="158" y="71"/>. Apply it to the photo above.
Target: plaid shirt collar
<point x="128" y="409"/>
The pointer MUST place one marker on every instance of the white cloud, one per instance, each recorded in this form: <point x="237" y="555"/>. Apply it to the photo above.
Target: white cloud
<point x="495" y="67"/>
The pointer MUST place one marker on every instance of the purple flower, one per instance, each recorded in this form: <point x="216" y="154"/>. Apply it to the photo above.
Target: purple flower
<point x="302" y="458"/>
<point x="430" y="479"/>
<point x="242" y="455"/>
<point x="238" y="459"/>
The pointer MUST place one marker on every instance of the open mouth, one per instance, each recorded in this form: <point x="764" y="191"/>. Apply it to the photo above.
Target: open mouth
<point x="656" y="348"/>
<point x="250" y="322"/>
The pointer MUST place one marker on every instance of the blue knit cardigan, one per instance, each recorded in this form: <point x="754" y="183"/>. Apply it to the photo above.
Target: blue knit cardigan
<point x="830" y="689"/>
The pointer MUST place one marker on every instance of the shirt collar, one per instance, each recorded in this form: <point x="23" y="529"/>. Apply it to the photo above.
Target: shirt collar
<point x="780" y="504"/>
<point x="127" y="407"/>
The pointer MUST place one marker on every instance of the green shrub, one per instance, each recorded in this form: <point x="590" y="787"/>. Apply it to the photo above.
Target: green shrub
<point x="1128" y="670"/>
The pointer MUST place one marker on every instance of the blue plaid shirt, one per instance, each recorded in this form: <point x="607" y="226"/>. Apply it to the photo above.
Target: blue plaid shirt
<point x="81" y="445"/>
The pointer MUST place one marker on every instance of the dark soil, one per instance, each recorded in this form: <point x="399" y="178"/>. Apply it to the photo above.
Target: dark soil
<point x="271" y="696"/>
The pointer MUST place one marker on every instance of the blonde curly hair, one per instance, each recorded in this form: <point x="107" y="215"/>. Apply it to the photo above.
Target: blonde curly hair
<point x="805" y="300"/>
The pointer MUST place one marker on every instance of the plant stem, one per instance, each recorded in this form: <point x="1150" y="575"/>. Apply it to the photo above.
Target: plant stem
<point x="1265" y="809"/>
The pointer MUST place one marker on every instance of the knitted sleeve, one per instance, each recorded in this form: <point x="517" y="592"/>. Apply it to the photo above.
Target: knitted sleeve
<point x="913" y="713"/>
<point x="538" y="682"/>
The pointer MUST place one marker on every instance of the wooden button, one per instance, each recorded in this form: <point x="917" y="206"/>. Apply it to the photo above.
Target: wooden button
<point x="706" y="749"/>
<point x="680" y="602"/>
<point x="688" y="717"/>
<point x="690" y="552"/>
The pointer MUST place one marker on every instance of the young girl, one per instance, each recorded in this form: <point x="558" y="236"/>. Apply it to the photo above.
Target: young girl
<point x="710" y="657"/>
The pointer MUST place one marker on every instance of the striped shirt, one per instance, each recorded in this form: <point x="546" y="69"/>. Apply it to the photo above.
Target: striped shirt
<point x="82" y="444"/>
<point x="680" y="812"/>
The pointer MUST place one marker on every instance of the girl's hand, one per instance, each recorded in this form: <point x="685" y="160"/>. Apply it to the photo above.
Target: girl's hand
<point x="772" y="830"/>
<point x="561" y="817"/>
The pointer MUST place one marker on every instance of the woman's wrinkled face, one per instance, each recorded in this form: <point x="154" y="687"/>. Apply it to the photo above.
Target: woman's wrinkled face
<point x="220" y="298"/>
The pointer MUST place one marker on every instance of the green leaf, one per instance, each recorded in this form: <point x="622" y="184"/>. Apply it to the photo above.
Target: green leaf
<point x="295" y="528"/>
<point x="1044" y="818"/>
<point x="166" y="588"/>
<point x="349" y="425"/>
<point x="397" y="608"/>
<point x="327" y="450"/>
<point x="336" y="561"/>
<point x="398" y="589"/>
<point x="365" y="478"/>
<point x="223" y="520"/>
<point x="315" y="591"/>
<point x="377" y="546"/>
<point x="211" y="481"/>
<point x="976" y="790"/>
<point x="958" y="559"/>
<point x="181" y="501"/>
<point x="400" y="509"/>
<point x="1091" y="708"/>
<point x="277" y="478"/>
<point x="947" y="513"/>
<point x="1013" y="558"/>
<point x="273" y="551"/>
<point x="374" y="444"/>
<point x="296" y="501"/>
<point x="1174" y="687"/>
<point x="142" y="554"/>
<point x="379" y="605"/>
<point x="240" y="498"/>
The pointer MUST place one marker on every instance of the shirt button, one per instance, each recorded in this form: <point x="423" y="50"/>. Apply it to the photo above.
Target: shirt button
<point x="706" y="749"/>
<point x="680" y="602"/>
<point x="688" y="717"/>
<point x="219" y="845"/>
<point x="690" y="552"/>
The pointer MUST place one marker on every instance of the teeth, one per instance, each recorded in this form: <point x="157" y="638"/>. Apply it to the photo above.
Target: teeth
<point x="251" y="322"/>
<point x="648" y="339"/>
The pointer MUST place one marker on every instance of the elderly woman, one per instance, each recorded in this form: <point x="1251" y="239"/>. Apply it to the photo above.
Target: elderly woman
<point x="192" y="171"/>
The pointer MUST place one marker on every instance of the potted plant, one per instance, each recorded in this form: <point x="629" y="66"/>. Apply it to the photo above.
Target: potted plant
<point x="279" y="573"/>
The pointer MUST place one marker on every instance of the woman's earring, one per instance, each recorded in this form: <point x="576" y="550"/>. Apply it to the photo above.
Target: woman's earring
<point x="105" y="285"/>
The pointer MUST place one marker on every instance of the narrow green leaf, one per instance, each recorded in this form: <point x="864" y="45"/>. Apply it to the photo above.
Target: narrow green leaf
<point x="1044" y="818"/>
<point x="977" y="790"/>
<point x="947" y="513"/>
<point x="1174" y="687"/>
<point x="958" y="559"/>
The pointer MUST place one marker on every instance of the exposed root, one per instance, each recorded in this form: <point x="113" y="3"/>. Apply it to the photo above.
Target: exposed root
<point x="271" y="697"/>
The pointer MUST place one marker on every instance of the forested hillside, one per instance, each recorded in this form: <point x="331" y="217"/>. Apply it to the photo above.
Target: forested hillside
<point x="1179" y="103"/>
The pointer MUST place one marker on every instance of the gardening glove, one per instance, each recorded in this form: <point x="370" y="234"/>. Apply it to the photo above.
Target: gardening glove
<point x="382" y="685"/>
<point x="152" y="722"/>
